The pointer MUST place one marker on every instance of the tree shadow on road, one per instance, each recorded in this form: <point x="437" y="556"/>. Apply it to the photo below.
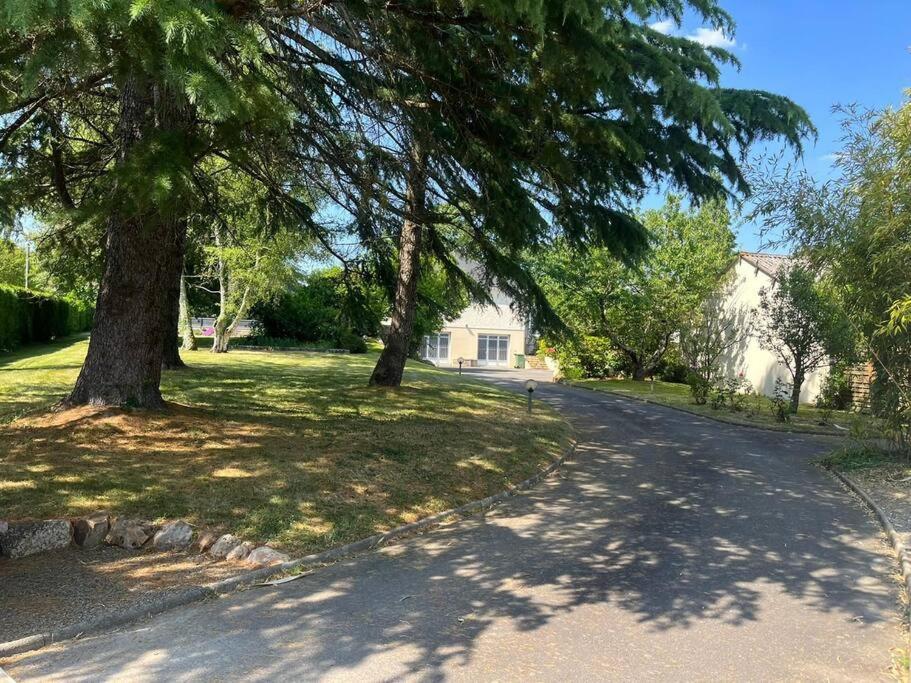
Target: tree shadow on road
<point x="661" y="533"/>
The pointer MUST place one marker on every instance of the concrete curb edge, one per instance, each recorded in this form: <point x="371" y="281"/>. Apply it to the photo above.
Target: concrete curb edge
<point x="197" y="593"/>
<point x="902" y="553"/>
<point x="643" y="399"/>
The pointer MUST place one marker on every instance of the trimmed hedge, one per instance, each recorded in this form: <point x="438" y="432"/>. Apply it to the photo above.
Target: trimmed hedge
<point x="28" y="316"/>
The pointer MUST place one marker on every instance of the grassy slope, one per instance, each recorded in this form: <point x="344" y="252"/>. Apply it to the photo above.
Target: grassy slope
<point x="756" y="411"/>
<point x="294" y="449"/>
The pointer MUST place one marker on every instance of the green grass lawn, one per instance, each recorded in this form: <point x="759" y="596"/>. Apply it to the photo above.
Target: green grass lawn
<point x="292" y="449"/>
<point x="756" y="409"/>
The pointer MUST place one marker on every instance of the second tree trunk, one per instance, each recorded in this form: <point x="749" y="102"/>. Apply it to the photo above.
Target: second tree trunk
<point x="391" y="364"/>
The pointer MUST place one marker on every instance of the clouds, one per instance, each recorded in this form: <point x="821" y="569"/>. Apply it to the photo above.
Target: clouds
<point x="712" y="37"/>
<point x="665" y="26"/>
<point x="707" y="37"/>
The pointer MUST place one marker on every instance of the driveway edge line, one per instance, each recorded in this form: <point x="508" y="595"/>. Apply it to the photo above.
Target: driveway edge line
<point x="241" y="581"/>
<point x="901" y="552"/>
<point x="745" y="425"/>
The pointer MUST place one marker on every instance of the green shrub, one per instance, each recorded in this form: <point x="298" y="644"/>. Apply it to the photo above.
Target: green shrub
<point x="863" y="456"/>
<point x="581" y="357"/>
<point x="700" y="388"/>
<point x="672" y="368"/>
<point x="678" y="373"/>
<point x="322" y="309"/>
<point x="348" y="339"/>
<point x="835" y="393"/>
<point x="28" y="316"/>
<point x="780" y="400"/>
<point x="731" y="393"/>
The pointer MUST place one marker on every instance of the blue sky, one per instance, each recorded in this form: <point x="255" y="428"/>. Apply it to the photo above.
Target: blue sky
<point x="818" y="53"/>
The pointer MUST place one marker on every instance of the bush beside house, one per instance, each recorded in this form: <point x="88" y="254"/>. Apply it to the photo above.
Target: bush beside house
<point x="27" y="316"/>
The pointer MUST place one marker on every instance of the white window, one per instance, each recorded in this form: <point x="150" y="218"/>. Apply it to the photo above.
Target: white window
<point x="493" y="349"/>
<point x="435" y="347"/>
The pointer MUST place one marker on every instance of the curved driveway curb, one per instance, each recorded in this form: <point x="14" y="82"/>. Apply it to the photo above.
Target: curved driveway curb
<point x="904" y="558"/>
<point x="196" y="593"/>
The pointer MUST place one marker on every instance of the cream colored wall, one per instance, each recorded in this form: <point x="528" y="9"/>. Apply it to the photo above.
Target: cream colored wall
<point x="759" y="366"/>
<point x="477" y="320"/>
<point x="463" y="341"/>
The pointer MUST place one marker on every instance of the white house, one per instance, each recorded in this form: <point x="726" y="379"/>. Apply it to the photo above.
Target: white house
<point x="751" y="273"/>
<point x="481" y="335"/>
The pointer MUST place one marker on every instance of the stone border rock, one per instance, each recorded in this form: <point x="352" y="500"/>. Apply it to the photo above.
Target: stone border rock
<point x="643" y="399"/>
<point x="196" y="593"/>
<point x="902" y="553"/>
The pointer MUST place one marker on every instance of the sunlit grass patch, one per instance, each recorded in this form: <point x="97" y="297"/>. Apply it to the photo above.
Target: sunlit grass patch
<point x="294" y="449"/>
<point x="756" y="409"/>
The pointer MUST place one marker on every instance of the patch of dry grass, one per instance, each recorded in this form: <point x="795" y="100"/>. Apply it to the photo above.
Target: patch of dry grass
<point x="291" y="449"/>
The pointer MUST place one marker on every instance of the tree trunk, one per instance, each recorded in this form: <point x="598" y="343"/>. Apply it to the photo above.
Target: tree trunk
<point x="123" y="363"/>
<point x="639" y="371"/>
<point x="391" y="364"/>
<point x="222" y="337"/>
<point x="170" y="358"/>
<point x="185" y="322"/>
<point x="795" y="389"/>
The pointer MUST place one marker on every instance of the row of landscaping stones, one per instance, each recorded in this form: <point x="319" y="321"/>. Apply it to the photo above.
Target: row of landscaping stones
<point x="21" y="539"/>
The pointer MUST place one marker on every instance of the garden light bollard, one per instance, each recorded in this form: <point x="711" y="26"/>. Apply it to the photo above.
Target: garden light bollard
<point x="530" y="386"/>
<point x="461" y="360"/>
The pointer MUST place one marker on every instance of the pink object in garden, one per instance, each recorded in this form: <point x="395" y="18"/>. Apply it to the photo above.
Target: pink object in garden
<point x="208" y="331"/>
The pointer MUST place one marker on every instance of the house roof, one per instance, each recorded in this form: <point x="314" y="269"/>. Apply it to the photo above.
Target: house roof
<point x="769" y="264"/>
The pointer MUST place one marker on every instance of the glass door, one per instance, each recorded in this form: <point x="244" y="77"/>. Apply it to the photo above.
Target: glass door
<point x="493" y="349"/>
<point x="435" y="348"/>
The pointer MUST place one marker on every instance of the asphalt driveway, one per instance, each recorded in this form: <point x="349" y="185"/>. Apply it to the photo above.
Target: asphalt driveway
<point x="671" y="548"/>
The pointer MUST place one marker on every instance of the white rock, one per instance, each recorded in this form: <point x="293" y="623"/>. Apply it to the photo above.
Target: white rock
<point x="27" y="538"/>
<point x="265" y="556"/>
<point x="130" y="533"/>
<point x="240" y="552"/>
<point x="224" y="545"/>
<point x="174" y="535"/>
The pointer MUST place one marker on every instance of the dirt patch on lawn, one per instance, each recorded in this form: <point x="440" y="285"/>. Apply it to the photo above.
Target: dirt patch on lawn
<point x="53" y="590"/>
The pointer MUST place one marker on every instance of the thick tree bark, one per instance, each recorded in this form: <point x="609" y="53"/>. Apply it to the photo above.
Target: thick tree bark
<point x="123" y="364"/>
<point x="391" y="364"/>
<point x="185" y="323"/>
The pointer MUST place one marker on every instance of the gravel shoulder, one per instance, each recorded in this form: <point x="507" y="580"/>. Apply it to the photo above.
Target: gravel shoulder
<point x="890" y="487"/>
<point x="52" y="590"/>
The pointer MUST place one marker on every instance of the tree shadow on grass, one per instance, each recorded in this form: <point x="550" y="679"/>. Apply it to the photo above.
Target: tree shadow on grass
<point x="662" y="527"/>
